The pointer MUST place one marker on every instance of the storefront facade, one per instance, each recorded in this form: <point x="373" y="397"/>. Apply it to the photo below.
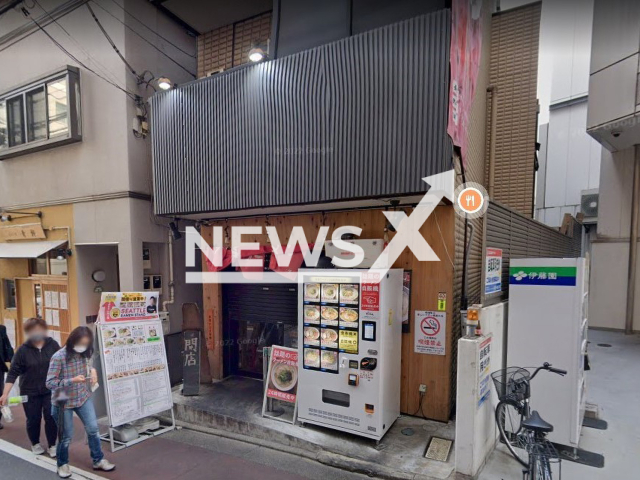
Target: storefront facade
<point x="35" y="266"/>
<point x="324" y="137"/>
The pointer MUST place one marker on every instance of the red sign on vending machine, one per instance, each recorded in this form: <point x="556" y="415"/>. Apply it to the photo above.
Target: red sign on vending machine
<point x="370" y="293"/>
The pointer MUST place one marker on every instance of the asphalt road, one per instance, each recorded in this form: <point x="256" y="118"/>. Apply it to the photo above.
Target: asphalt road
<point x="15" y="468"/>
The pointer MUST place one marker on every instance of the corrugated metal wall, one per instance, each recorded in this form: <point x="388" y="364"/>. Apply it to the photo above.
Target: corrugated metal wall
<point x="522" y="237"/>
<point x="515" y="38"/>
<point x="362" y="117"/>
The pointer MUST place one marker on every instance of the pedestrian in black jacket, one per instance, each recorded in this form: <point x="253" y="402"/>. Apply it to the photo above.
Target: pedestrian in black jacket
<point x="31" y="364"/>
<point x="6" y="354"/>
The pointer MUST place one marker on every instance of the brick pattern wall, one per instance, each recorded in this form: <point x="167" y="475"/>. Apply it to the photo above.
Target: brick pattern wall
<point x="229" y="46"/>
<point x="515" y="36"/>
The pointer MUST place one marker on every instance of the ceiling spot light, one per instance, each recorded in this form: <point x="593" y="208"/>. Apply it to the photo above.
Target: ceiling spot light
<point x="257" y="54"/>
<point x="165" y="83"/>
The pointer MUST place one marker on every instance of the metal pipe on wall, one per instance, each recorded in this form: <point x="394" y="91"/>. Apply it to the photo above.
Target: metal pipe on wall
<point x="633" y="242"/>
<point x="171" y="282"/>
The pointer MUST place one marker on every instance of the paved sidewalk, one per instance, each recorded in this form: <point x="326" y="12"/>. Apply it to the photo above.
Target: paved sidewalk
<point x="175" y="455"/>
<point x="614" y="385"/>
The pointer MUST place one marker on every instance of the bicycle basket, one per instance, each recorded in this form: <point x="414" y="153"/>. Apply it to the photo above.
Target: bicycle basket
<point x="512" y="383"/>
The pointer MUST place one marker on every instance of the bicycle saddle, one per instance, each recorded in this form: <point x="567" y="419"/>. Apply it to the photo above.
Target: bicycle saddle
<point x="536" y="423"/>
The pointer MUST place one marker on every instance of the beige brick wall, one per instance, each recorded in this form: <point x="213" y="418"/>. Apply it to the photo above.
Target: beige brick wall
<point x="229" y="46"/>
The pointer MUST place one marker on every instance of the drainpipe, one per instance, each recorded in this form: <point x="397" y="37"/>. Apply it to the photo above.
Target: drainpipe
<point x="633" y="242"/>
<point x="493" y="90"/>
<point x="171" y="286"/>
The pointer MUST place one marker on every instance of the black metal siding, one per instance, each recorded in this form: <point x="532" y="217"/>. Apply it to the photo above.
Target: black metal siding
<point x="362" y="117"/>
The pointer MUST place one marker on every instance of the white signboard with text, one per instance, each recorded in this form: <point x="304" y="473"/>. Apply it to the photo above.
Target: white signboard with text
<point x="133" y="356"/>
<point x="493" y="271"/>
<point x="430" y="332"/>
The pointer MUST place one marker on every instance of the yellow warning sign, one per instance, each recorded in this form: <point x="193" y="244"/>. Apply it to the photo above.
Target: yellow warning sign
<point x="442" y="301"/>
<point x="348" y="341"/>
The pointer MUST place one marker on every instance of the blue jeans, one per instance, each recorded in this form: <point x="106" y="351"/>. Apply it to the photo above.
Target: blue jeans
<point x="87" y="415"/>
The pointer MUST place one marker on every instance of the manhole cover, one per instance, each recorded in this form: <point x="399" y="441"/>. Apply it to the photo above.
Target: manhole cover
<point x="604" y="345"/>
<point x="407" y="431"/>
<point x="438" y="449"/>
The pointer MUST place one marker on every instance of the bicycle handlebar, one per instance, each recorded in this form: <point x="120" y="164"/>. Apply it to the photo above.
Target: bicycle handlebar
<point x="547" y="366"/>
<point x="559" y="371"/>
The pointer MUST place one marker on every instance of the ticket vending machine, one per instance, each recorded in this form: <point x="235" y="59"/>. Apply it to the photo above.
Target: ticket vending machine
<point x="349" y="338"/>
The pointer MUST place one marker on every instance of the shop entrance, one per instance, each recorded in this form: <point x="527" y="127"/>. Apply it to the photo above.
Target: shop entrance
<point x="45" y="297"/>
<point x="257" y="316"/>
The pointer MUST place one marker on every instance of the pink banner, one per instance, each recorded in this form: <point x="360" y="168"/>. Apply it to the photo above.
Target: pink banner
<point x="466" y="45"/>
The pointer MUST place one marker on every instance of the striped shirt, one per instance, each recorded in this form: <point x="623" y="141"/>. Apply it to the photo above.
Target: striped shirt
<point x="62" y="369"/>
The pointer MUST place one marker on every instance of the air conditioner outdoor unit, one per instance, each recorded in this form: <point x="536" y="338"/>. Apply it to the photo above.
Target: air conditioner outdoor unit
<point x="589" y="205"/>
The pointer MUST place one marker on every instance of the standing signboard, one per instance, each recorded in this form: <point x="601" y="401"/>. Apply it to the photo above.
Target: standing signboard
<point x="191" y="363"/>
<point x="133" y="356"/>
<point x="282" y="379"/>
<point x="430" y="332"/>
<point x="493" y="271"/>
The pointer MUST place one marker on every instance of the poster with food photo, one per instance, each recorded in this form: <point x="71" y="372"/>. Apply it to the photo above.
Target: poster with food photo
<point x="329" y="338"/>
<point x="349" y="294"/>
<point x="329" y="316"/>
<point x="329" y="293"/>
<point x="348" y="317"/>
<point x="311" y="336"/>
<point x="312" y="314"/>
<point x="283" y="374"/>
<point x="311" y="292"/>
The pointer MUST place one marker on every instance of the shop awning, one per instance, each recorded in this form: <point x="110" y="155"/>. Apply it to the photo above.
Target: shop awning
<point x="28" y="249"/>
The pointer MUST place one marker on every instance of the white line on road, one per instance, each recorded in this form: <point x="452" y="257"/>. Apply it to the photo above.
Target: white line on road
<point x="44" y="461"/>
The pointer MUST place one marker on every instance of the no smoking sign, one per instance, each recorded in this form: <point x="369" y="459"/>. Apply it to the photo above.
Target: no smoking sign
<point x="430" y="326"/>
<point x="431" y="332"/>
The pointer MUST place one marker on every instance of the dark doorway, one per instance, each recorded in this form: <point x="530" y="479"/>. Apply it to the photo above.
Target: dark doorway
<point x="257" y="316"/>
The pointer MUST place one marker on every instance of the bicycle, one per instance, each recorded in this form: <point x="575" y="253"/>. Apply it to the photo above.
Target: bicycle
<point x="519" y="426"/>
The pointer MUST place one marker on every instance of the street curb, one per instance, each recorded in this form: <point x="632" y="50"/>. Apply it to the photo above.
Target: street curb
<point x="42" y="461"/>
<point x="330" y="459"/>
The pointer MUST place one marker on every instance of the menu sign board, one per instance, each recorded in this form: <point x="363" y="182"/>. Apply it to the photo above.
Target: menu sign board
<point x="124" y="306"/>
<point x="283" y="374"/>
<point x="133" y="357"/>
<point x="331" y="317"/>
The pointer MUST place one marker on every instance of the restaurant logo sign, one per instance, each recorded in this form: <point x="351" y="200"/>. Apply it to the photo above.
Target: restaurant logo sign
<point x="229" y="249"/>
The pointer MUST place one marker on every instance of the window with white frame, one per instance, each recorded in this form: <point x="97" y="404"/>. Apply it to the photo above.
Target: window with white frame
<point x="41" y="114"/>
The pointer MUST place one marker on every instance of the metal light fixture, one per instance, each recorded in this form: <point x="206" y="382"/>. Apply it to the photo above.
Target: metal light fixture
<point x="5" y="218"/>
<point x="165" y="83"/>
<point x="257" y="54"/>
<point x="175" y="232"/>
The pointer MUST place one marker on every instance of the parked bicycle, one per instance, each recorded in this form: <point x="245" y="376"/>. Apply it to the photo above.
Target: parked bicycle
<point x="523" y="428"/>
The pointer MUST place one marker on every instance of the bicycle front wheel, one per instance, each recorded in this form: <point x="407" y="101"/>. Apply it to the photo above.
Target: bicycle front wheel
<point x="540" y="468"/>
<point x="509" y="421"/>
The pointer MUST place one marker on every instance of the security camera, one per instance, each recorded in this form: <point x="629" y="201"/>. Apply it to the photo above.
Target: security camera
<point x="616" y="134"/>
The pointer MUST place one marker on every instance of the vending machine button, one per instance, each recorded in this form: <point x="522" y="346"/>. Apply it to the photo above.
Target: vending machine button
<point x="353" y="379"/>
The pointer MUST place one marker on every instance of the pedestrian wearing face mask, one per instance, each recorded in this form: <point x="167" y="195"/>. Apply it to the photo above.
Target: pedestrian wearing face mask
<point x="31" y="363"/>
<point x="70" y="371"/>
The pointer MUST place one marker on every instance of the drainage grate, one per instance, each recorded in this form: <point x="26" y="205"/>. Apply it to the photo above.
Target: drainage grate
<point x="438" y="449"/>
